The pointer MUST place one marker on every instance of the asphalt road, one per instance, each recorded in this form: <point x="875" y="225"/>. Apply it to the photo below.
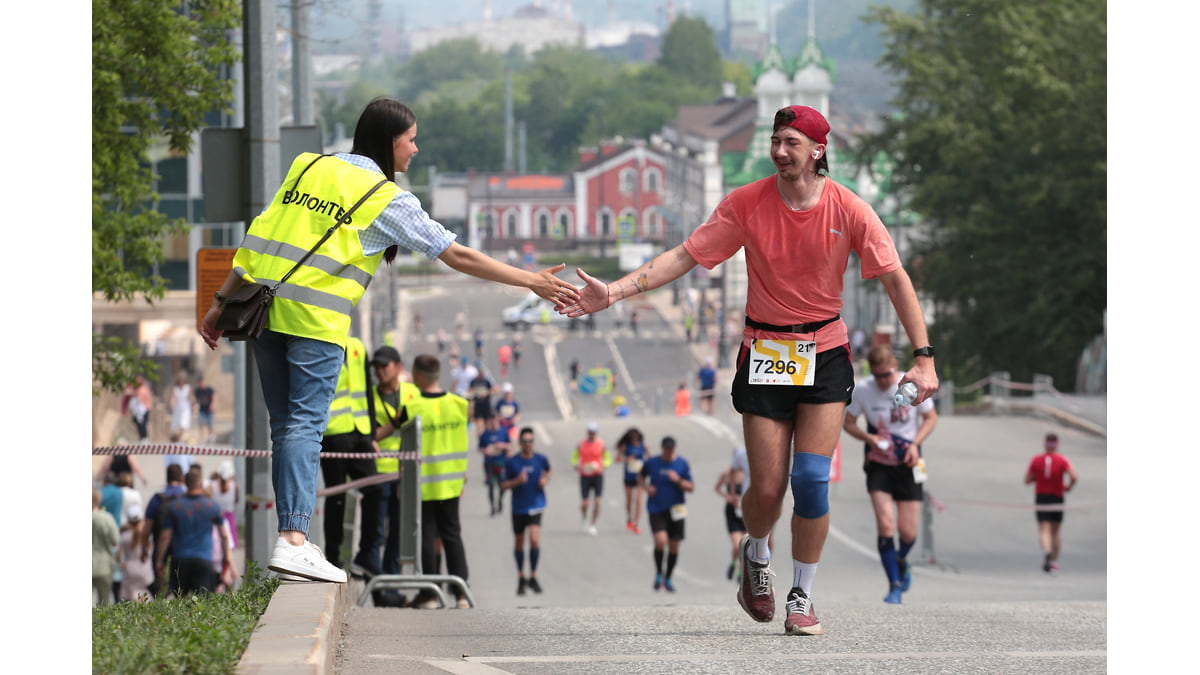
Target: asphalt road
<point x="979" y="600"/>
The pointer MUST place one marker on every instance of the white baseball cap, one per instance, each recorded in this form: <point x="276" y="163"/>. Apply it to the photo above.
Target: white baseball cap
<point x="592" y="426"/>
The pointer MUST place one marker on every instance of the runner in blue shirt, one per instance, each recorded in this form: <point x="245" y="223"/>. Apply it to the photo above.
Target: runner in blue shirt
<point x="495" y="446"/>
<point x="526" y="475"/>
<point x="708" y="386"/>
<point x="666" y="478"/>
<point x="631" y="452"/>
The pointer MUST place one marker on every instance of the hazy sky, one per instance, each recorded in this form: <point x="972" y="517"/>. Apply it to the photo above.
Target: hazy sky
<point x="421" y="13"/>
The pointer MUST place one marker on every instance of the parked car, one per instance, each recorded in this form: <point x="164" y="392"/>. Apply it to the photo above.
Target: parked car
<point x="533" y="310"/>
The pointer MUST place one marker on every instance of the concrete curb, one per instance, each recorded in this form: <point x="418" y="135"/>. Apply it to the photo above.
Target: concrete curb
<point x="299" y="632"/>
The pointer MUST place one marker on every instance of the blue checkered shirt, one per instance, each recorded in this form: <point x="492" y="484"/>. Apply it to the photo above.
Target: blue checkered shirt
<point x="402" y="222"/>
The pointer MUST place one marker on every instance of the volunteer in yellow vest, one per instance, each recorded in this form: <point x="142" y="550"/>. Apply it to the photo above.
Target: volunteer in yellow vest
<point x="302" y="350"/>
<point x="390" y="394"/>
<point x="590" y="459"/>
<point x="349" y="432"/>
<point x="445" y="448"/>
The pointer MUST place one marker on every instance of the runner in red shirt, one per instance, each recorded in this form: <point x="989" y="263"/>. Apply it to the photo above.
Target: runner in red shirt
<point x="1049" y="472"/>
<point x="794" y="377"/>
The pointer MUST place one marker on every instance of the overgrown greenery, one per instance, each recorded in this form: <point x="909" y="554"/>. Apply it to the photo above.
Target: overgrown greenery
<point x="194" y="635"/>
<point x="156" y="73"/>
<point x="1000" y="143"/>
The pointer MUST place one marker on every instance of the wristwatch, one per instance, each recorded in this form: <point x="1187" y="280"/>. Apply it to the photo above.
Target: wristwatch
<point x="219" y="298"/>
<point x="923" y="351"/>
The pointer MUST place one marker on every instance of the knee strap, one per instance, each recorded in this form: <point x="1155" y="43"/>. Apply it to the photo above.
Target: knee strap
<point x="810" y="484"/>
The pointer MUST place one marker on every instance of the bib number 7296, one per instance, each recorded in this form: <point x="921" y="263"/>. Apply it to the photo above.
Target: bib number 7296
<point x="787" y="362"/>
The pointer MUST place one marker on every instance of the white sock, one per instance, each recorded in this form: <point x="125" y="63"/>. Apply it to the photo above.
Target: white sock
<point x="759" y="551"/>
<point x="802" y="576"/>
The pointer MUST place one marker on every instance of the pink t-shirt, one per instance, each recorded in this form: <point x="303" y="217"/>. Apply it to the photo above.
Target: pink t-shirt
<point x="795" y="260"/>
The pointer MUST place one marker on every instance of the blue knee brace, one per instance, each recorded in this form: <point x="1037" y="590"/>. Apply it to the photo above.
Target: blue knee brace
<point x="810" y="484"/>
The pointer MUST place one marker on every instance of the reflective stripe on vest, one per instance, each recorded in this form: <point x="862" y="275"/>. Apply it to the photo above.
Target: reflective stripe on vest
<point x="318" y="298"/>
<point x="385" y="414"/>
<point x="349" y="410"/>
<point x="444" y="444"/>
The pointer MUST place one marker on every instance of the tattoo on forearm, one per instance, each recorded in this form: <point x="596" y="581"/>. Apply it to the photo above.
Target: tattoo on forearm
<point x="642" y="283"/>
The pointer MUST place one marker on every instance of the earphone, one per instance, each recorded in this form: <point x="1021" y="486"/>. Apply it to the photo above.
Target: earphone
<point x="817" y="155"/>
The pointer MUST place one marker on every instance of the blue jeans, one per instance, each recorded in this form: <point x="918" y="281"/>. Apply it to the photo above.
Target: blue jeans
<point x="299" y="376"/>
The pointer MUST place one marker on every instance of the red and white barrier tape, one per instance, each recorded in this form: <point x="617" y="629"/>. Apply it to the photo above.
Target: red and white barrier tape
<point x="1025" y="506"/>
<point x="182" y="449"/>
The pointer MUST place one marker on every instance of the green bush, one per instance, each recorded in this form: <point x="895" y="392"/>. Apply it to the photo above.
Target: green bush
<point x="197" y="634"/>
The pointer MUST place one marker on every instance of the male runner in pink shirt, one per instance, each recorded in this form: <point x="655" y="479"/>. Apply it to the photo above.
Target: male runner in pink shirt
<point x="794" y="375"/>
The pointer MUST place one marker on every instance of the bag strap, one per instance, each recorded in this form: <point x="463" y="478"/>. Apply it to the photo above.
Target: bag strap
<point x="345" y="218"/>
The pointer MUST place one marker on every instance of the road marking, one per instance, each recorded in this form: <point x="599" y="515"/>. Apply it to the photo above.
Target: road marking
<point x="470" y="665"/>
<point x="550" y="341"/>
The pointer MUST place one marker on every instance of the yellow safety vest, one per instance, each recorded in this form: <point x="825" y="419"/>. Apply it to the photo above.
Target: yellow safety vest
<point x="350" y="410"/>
<point x="444" y="444"/>
<point x="385" y="414"/>
<point x="316" y="301"/>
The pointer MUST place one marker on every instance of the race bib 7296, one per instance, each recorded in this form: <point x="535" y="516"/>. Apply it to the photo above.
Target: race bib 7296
<point x="789" y="362"/>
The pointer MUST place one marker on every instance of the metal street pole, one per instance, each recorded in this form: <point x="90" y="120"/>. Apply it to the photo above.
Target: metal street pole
<point x="262" y="138"/>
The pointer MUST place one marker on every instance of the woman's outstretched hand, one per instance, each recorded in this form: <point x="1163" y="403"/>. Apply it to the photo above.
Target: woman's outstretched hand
<point x="550" y="287"/>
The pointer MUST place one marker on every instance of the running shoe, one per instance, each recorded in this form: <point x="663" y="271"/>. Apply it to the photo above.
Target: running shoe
<point x="893" y="596"/>
<point x="637" y="530"/>
<point x="521" y="583"/>
<point x="629" y="525"/>
<point x="534" y="585"/>
<point x="463" y="602"/>
<point x="1053" y="568"/>
<point x="658" y="582"/>
<point x="592" y="530"/>
<point x="1046" y="564"/>
<point x="801" y="619"/>
<point x="667" y="584"/>
<point x="755" y="593"/>
<point x="905" y="575"/>
<point x="729" y="572"/>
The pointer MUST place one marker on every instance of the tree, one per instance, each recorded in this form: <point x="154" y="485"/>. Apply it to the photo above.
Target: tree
<point x="1001" y="142"/>
<point x="461" y="59"/>
<point x="156" y="73"/>
<point x="689" y="51"/>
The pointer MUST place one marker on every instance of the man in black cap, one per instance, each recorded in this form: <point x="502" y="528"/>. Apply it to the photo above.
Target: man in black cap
<point x="797" y="229"/>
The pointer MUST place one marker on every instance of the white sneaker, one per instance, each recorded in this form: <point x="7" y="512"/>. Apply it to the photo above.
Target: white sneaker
<point x="284" y="576"/>
<point x="305" y="561"/>
<point x="592" y="530"/>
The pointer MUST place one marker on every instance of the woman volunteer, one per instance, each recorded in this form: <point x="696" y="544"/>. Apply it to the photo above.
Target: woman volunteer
<point x="301" y="352"/>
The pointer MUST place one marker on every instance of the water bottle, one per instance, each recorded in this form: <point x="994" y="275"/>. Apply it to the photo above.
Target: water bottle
<point x="907" y="394"/>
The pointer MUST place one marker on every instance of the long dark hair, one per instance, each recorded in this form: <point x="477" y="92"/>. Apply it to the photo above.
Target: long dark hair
<point x="379" y="124"/>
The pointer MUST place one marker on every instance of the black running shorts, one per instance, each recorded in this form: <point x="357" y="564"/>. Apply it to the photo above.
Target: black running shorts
<point x="897" y="481"/>
<point x="733" y="522"/>
<point x="832" y="383"/>
<point x="591" y="484"/>
<point x="1049" y="516"/>
<point x="520" y="521"/>
<point x="662" y="521"/>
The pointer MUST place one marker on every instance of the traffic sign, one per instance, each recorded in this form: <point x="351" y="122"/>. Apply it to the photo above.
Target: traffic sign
<point x="587" y="385"/>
